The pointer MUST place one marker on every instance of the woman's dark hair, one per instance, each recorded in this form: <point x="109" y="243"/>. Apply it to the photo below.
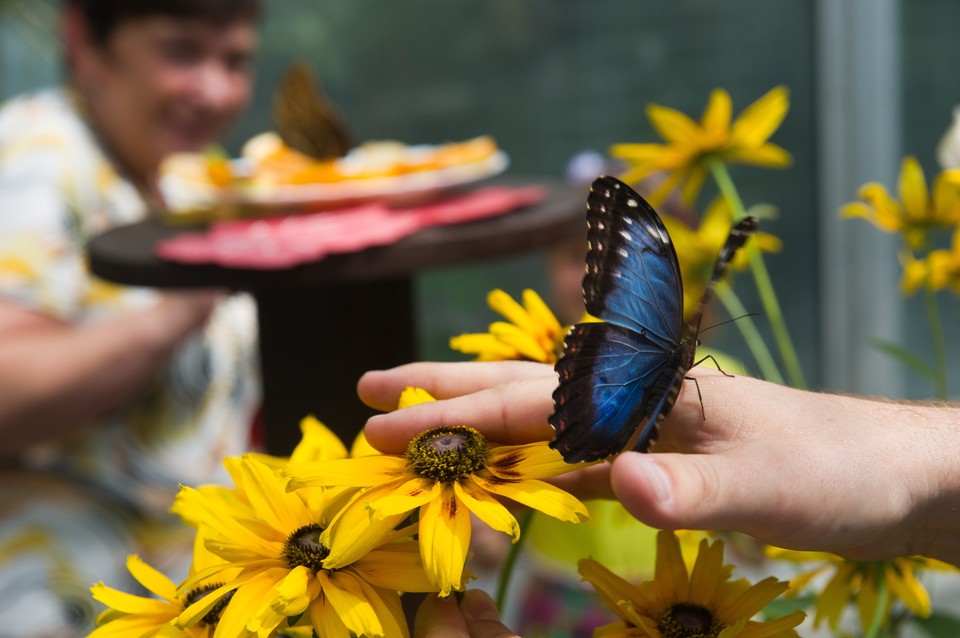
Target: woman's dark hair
<point x="103" y="16"/>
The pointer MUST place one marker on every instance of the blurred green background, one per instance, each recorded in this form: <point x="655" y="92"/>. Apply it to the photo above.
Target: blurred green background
<point x="551" y="78"/>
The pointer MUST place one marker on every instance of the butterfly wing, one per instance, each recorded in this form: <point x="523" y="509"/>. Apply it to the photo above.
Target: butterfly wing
<point x="632" y="276"/>
<point x="633" y="283"/>
<point x="605" y="373"/>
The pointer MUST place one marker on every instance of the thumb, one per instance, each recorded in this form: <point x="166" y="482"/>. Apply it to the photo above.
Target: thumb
<point x="688" y="491"/>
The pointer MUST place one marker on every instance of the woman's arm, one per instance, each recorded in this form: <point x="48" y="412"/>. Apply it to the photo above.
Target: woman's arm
<point x="55" y="377"/>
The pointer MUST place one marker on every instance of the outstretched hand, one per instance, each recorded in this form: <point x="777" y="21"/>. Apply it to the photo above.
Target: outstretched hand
<point x="804" y="470"/>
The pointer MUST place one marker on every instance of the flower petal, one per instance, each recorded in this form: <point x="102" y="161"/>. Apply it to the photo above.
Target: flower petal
<point x="530" y="460"/>
<point x="913" y="190"/>
<point x="540" y="496"/>
<point x="347" y="596"/>
<point x="717" y="116"/>
<point x="487" y="509"/>
<point x="413" y="396"/>
<point x="758" y="121"/>
<point x="154" y="581"/>
<point x="396" y="566"/>
<point x="672" y="125"/>
<point x="444" y="541"/>
<point x="361" y="472"/>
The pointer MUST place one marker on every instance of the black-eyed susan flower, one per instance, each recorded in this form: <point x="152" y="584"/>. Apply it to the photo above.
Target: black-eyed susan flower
<point x="445" y="474"/>
<point x="859" y="582"/>
<point x="689" y="144"/>
<point x="917" y="212"/>
<point x="697" y="249"/>
<point x="531" y="331"/>
<point x="938" y="270"/>
<point x="270" y="539"/>
<point x="701" y="603"/>
<point x="132" y="616"/>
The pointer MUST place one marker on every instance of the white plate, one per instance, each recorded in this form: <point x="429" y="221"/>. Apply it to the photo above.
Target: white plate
<point x="183" y="193"/>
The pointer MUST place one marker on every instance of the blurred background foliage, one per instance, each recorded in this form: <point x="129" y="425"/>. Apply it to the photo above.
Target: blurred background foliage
<point x="551" y="78"/>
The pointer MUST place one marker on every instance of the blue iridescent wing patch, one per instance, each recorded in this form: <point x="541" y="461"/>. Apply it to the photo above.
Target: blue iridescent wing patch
<point x="619" y="378"/>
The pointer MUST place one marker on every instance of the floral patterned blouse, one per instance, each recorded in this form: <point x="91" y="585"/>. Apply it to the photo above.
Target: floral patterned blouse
<point x="114" y="482"/>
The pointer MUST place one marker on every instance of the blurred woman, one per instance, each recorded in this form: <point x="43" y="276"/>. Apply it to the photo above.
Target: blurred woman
<point x="110" y="396"/>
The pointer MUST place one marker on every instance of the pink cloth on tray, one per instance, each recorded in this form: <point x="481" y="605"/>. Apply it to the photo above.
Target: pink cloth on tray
<point x="282" y="242"/>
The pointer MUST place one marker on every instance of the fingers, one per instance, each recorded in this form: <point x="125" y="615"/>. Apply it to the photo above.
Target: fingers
<point x="787" y="501"/>
<point x="512" y="413"/>
<point x="440" y="618"/>
<point x="380" y="388"/>
<point x="476" y="616"/>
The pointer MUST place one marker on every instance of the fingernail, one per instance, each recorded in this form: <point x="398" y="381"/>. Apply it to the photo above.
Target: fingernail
<point x="478" y="605"/>
<point x="650" y="471"/>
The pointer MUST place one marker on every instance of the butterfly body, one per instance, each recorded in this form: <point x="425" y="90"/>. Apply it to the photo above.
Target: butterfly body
<point x="619" y="378"/>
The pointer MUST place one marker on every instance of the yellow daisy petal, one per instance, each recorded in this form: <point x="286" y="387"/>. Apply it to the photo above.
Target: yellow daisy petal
<point x="516" y="314"/>
<point x="520" y="340"/>
<point x="371" y="470"/>
<point x="154" y="581"/>
<point x="444" y="541"/>
<point x="758" y="121"/>
<point x="413" y="396"/>
<point x="540" y="496"/>
<point x="487" y="509"/>
<point x="672" y="125"/>
<point x="913" y="189"/>
<point x="395" y="566"/>
<point x="486" y="346"/>
<point x="531" y="460"/>
<point x="347" y="597"/>
<point x="716" y="118"/>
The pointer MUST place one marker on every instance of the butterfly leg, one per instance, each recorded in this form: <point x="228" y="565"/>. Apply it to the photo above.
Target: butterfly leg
<point x="700" y="396"/>
<point x="715" y="362"/>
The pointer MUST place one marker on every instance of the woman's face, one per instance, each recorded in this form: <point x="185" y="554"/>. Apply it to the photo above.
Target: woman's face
<point x="161" y="85"/>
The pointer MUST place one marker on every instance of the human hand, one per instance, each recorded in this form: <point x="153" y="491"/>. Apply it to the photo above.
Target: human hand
<point x="183" y="310"/>
<point x="475" y="616"/>
<point x="803" y="470"/>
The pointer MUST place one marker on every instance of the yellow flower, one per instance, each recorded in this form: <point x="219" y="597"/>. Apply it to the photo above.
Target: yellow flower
<point x="940" y="269"/>
<point x="131" y="616"/>
<point x="703" y="602"/>
<point x="857" y="581"/>
<point x="697" y="250"/>
<point x="689" y="144"/>
<point x="445" y="474"/>
<point x="270" y="542"/>
<point x="531" y="332"/>
<point x="916" y="212"/>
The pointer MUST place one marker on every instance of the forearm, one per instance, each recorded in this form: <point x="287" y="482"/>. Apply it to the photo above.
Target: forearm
<point x="57" y="377"/>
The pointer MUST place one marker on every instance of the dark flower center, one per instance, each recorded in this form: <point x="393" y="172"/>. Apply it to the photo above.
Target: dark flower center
<point x="212" y="616"/>
<point x="303" y="548"/>
<point x="447" y="454"/>
<point x="685" y="620"/>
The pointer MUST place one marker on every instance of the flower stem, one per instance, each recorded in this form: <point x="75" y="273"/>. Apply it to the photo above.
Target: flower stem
<point x="748" y="329"/>
<point x="883" y="600"/>
<point x="939" y="344"/>
<point x="503" y="583"/>
<point x="761" y="277"/>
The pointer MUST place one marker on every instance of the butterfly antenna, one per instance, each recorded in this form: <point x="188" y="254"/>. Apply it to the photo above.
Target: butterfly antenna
<point x="723" y="323"/>
<point x="738" y="236"/>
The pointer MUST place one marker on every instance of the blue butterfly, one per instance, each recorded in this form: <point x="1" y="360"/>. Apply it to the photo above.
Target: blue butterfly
<point x="626" y="372"/>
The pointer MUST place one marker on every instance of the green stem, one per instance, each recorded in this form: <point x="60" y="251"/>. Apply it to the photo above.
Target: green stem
<point x="503" y="583"/>
<point x="748" y="329"/>
<point x="939" y="344"/>
<point x="761" y="277"/>
<point x="883" y="600"/>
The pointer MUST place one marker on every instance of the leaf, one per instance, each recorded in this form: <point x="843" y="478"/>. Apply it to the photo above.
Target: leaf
<point x="784" y="605"/>
<point x="905" y="357"/>
<point x="940" y="625"/>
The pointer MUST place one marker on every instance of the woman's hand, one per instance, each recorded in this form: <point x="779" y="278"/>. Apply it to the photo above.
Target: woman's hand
<point x="475" y="616"/>
<point x="860" y="477"/>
